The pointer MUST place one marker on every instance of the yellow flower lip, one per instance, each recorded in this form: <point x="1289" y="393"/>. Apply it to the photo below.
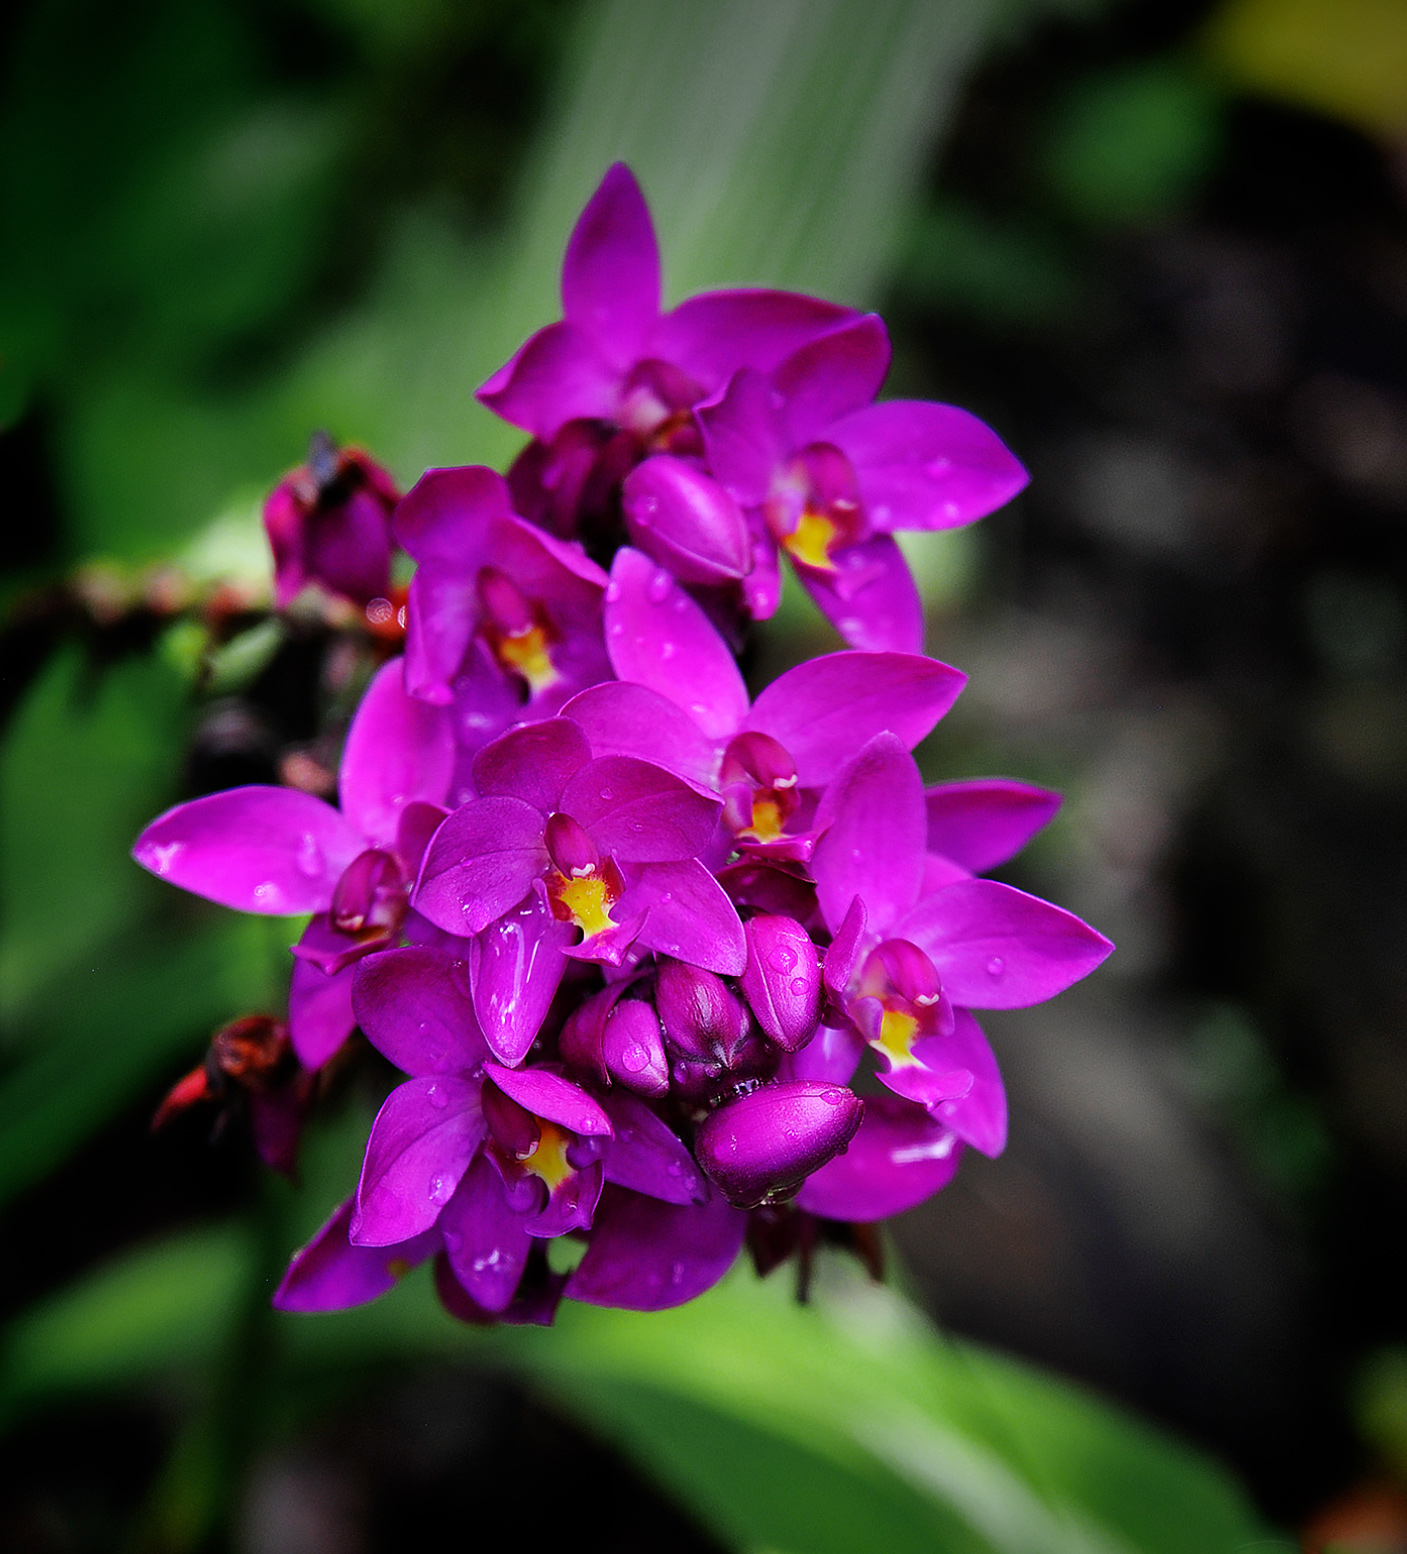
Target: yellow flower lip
<point x="528" y="652"/>
<point x="586" y="899"/>
<point x="548" y="1158"/>
<point x="812" y="540"/>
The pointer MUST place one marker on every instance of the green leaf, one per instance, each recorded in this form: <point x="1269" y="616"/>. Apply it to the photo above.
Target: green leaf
<point x="847" y="1425"/>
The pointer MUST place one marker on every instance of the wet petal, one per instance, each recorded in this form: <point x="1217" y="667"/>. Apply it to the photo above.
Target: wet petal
<point x="320" y="1016"/>
<point x="982" y="823"/>
<point x="271" y="850"/>
<point x="979" y="1117"/>
<point x="782" y="980"/>
<point x="398" y="750"/>
<point x="872" y="601"/>
<point x="825" y="709"/>
<point x="646" y="1255"/>
<point x="632" y="1050"/>
<point x="998" y="948"/>
<point x="832" y="376"/>
<point x="420" y="1146"/>
<point x="532" y="763"/>
<point x="611" y="272"/>
<point x="551" y="1097"/>
<point x="518" y="963"/>
<point x="647" y="1156"/>
<point x="559" y="375"/>
<point x="657" y="636"/>
<point x="442" y="616"/>
<point x="481" y="862"/>
<point x="619" y="718"/>
<point x="689" y="916"/>
<point x="744" y="438"/>
<point x="900" y="1157"/>
<point x="485" y="1241"/>
<point x="448" y="514"/>
<point x="414" y="1006"/>
<point x="686" y="521"/>
<point x="873" y="846"/>
<point x="330" y="1274"/>
<point x="926" y="466"/>
<point x="833" y="1054"/>
<point x="638" y="812"/>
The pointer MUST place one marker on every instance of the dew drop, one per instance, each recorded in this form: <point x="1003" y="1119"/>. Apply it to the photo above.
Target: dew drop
<point x="607" y="794"/>
<point x="667" y="650"/>
<point x="782" y="959"/>
<point x="612" y="592"/>
<point x="635" y="1060"/>
<point x="437" y="1097"/>
<point x="659" y="586"/>
<point x="996" y="966"/>
<point x="832" y="1097"/>
<point x="798" y="987"/>
<point x="309" y="857"/>
<point x="438" y="1190"/>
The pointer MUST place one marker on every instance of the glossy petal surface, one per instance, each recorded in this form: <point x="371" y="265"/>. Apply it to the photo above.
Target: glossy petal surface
<point x="899" y="1157"/>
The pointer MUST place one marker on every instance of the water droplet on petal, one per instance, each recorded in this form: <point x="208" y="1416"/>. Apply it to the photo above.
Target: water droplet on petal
<point x="782" y="959"/>
<point x="612" y="592"/>
<point x="309" y="857"/>
<point x="798" y="987"/>
<point x="635" y="1060"/>
<point x="996" y="966"/>
<point x="659" y="586"/>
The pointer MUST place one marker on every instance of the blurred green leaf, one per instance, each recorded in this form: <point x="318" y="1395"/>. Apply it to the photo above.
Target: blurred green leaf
<point x="846" y="1425"/>
<point x="89" y="759"/>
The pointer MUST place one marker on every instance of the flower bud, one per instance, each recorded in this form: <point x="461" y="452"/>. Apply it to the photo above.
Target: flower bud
<point x="764" y="1144"/>
<point x="701" y="1018"/>
<point x="329" y="522"/>
<point x="782" y="980"/>
<point x="632" y="1050"/>
<point x="686" y="521"/>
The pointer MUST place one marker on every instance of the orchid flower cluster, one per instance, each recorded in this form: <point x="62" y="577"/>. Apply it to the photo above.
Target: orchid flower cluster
<point x="666" y="969"/>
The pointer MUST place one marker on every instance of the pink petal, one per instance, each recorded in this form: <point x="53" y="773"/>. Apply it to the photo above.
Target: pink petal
<point x="399" y="750"/>
<point x="447" y="516"/>
<point x="982" y="823"/>
<point x="532" y="762"/>
<point x="330" y="1274"/>
<point x="826" y="709"/>
<point x="611" y="272"/>
<point x="270" y="850"/>
<point x="518" y="963"/>
<point x="485" y="1240"/>
<point x="560" y="375"/>
<point x="658" y="637"/>
<point x="900" y="1157"/>
<point x="480" y="863"/>
<point x="619" y="718"/>
<point x="638" y="812"/>
<point x="414" y="1006"/>
<point x="998" y="948"/>
<point x="832" y="376"/>
<point x="320" y="1016"/>
<point x="647" y="1156"/>
<point x="871" y="599"/>
<point x="689" y="916"/>
<point x="551" y="1097"/>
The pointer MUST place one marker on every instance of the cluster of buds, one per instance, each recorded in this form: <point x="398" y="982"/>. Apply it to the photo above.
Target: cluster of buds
<point x="666" y="968"/>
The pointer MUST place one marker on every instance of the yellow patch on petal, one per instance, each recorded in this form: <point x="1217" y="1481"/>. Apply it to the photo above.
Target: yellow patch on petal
<point x="587" y="899"/>
<point x="896" y="1038"/>
<point x="766" y="820"/>
<point x="527" y="652"/>
<point x="811" y="540"/>
<point x="549" y="1159"/>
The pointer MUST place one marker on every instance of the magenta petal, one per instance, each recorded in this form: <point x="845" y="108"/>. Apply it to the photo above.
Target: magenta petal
<point x="638" y="812"/>
<point x="486" y="1242"/>
<point x="560" y="375"/>
<point x="481" y="862"/>
<point x="982" y="823"/>
<point x="320" y="1016"/>
<point x="447" y="515"/>
<point x="926" y="466"/>
<point x="833" y="1054"/>
<point x="714" y="335"/>
<point x="611" y="271"/>
<point x="551" y="1097"/>
<point x="825" y="709"/>
<point x="619" y="718"/>
<point x="831" y="377"/>
<point x="873" y="846"/>
<point x="843" y="953"/>
<point x="421" y="1144"/>
<point x="646" y="1255"/>
<point x="872" y="600"/>
<point x="518" y="963"/>
<point x="690" y="916"/>
<point x="686" y="521"/>
<point x="414" y="1006"/>
<point x="979" y="1117"/>
<point x="632" y="1049"/>
<point x="330" y="1274"/>
<point x="929" y="1086"/>
<point x="271" y="850"/>
<point x="782" y="980"/>
<point x="398" y="750"/>
<point x="647" y="1156"/>
<point x="570" y="1206"/>
<point x="443" y="613"/>
<point x="998" y="948"/>
<point x="657" y="636"/>
<point x="532" y="762"/>
<point x="769" y="1140"/>
<point x="900" y="1157"/>
<point x="743" y="438"/>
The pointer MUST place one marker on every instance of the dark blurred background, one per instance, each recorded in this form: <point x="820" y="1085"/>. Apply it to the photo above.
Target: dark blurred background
<point x="1161" y="247"/>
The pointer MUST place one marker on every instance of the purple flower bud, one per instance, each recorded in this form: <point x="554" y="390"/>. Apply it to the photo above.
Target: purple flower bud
<point x="632" y="1050"/>
<point x="760" y="759"/>
<point x="701" y="1018"/>
<point x="687" y="522"/>
<point x="329" y="522"/>
<point x="764" y="1144"/>
<point x="782" y="980"/>
<point x="370" y="896"/>
<point x="572" y="850"/>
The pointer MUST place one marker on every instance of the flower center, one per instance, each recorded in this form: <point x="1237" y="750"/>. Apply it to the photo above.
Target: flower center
<point x="585" y="899"/>
<point x="526" y="651"/>
<point x="812" y="540"/>
<point x="897" y="1029"/>
<point x="548" y="1158"/>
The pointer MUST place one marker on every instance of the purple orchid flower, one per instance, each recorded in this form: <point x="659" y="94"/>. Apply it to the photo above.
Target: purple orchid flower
<point x="680" y="700"/>
<point x="827" y="476"/>
<point x="617" y="379"/>
<point x="914" y="948"/>
<point x="279" y="852"/>
<point x="329" y="522"/>
<point x="503" y="620"/>
<point x="559" y="842"/>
